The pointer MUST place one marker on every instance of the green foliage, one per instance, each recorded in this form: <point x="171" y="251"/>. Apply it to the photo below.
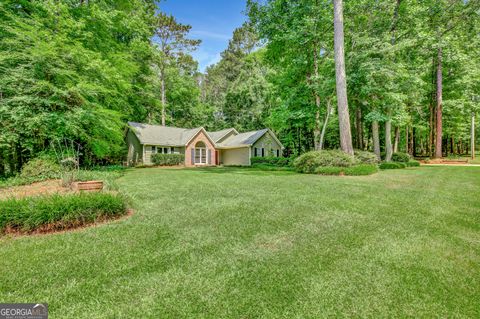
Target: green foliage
<point x="412" y="163"/>
<point x="392" y="165"/>
<point x="270" y="167"/>
<point x="366" y="157"/>
<point x="59" y="211"/>
<point x="168" y="159"/>
<point x="356" y="170"/>
<point x="271" y="160"/>
<point x="401" y="157"/>
<point x="40" y="169"/>
<point x="309" y="162"/>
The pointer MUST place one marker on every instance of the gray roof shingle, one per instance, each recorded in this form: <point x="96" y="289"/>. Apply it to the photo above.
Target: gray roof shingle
<point x="176" y="136"/>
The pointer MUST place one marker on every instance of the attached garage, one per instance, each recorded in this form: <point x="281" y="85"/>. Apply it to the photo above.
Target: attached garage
<point x="235" y="156"/>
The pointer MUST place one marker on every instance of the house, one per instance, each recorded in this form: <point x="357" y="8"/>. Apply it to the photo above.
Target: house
<point x="225" y="147"/>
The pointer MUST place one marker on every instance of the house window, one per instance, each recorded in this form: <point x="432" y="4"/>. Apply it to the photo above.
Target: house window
<point x="154" y="149"/>
<point x="278" y="153"/>
<point x="200" y="153"/>
<point x="263" y="152"/>
<point x="165" y="150"/>
<point x="172" y="150"/>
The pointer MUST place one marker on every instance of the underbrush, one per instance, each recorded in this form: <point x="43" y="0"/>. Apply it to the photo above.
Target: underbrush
<point x="59" y="212"/>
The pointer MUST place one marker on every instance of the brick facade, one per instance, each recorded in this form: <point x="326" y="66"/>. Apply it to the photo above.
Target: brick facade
<point x="200" y="137"/>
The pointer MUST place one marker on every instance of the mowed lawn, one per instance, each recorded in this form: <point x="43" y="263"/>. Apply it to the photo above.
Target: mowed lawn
<point x="240" y="243"/>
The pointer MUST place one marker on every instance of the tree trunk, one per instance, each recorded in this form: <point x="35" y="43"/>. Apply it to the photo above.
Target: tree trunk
<point x="438" y="146"/>
<point x="414" y="143"/>
<point x="376" y="139"/>
<point x="359" y="128"/>
<point x="388" y="140"/>
<point x="472" y="136"/>
<point x="316" y="131"/>
<point x="396" y="141"/>
<point x="324" y="127"/>
<point x="2" y="165"/>
<point x="164" y="98"/>
<point x="407" y="146"/>
<point x="341" y="82"/>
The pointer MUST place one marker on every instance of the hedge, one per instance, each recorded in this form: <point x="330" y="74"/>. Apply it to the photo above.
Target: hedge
<point x="59" y="211"/>
<point x="168" y="159"/>
<point x="413" y="163"/>
<point x="392" y="165"/>
<point x="401" y="157"/>
<point x="271" y="160"/>
<point x="357" y="170"/>
<point x="310" y="161"/>
<point x="366" y="157"/>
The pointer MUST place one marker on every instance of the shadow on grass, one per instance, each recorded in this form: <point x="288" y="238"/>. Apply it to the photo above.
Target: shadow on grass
<point x="243" y="170"/>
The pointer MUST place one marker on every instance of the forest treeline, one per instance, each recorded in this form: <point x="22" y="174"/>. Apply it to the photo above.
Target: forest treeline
<point x="78" y="70"/>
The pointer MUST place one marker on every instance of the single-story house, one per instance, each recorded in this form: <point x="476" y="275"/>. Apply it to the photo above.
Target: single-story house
<point x="225" y="147"/>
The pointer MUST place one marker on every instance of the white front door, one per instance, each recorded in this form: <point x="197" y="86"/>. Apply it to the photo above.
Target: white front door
<point x="200" y="156"/>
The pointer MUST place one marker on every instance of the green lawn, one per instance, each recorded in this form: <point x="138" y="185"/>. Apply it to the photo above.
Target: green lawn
<point x="241" y="243"/>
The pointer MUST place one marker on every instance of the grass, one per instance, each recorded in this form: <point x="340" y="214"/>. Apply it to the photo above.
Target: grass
<point x="59" y="211"/>
<point x="244" y="243"/>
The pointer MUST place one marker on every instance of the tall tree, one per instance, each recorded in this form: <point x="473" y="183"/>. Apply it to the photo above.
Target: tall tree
<point x="342" y="102"/>
<point x="173" y="43"/>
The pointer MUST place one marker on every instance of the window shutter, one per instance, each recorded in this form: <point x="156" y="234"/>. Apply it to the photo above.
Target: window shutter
<point x="263" y="152"/>
<point x="209" y="157"/>
<point x="193" y="156"/>
<point x="255" y="152"/>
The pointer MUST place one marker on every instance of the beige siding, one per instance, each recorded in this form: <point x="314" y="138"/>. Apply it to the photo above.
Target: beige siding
<point x="135" y="149"/>
<point x="269" y="144"/>
<point x="231" y="133"/>
<point x="236" y="156"/>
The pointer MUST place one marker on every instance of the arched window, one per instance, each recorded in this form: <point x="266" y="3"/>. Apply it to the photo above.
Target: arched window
<point x="200" y="153"/>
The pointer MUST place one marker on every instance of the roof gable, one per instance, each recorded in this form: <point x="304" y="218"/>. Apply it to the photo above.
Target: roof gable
<point x="162" y="135"/>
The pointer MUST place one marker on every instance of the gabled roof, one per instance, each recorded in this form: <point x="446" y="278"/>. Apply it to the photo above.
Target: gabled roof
<point x="243" y="139"/>
<point x="218" y="135"/>
<point x="162" y="135"/>
<point x="176" y="136"/>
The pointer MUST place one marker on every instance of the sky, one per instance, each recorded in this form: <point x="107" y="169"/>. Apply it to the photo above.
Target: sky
<point x="212" y="21"/>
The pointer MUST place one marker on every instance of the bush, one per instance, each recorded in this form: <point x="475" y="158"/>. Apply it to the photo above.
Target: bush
<point x="392" y="165"/>
<point x="413" y="163"/>
<point x="401" y="157"/>
<point x="271" y="160"/>
<point x="168" y="159"/>
<point x="309" y="162"/>
<point x="268" y="167"/>
<point x="40" y="169"/>
<point x="366" y="157"/>
<point x="357" y="170"/>
<point x="59" y="211"/>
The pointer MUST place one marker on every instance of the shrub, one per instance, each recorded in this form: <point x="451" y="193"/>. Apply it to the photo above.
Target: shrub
<point x="366" y="157"/>
<point x="309" y="162"/>
<point x="168" y="159"/>
<point x="357" y="170"/>
<point x="392" y="165"/>
<point x="268" y="167"/>
<point x="400" y="157"/>
<point x="59" y="211"/>
<point x="413" y="163"/>
<point x="271" y="160"/>
<point x="40" y="169"/>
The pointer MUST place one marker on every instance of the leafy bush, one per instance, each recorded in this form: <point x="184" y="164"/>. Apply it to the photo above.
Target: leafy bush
<point x="392" y="165"/>
<point x="366" y="157"/>
<point x="40" y="169"/>
<point x="357" y="170"/>
<point x="168" y="159"/>
<point x="413" y="163"/>
<point x="59" y="211"/>
<point x="268" y="167"/>
<point x="400" y="157"/>
<point x="309" y="162"/>
<point x="271" y="160"/>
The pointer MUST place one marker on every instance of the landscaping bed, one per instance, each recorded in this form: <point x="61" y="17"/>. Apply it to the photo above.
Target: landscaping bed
<point x="59" y="212"/>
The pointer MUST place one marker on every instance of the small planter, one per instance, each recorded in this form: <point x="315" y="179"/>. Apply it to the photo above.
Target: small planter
<point x="90" y="186"/>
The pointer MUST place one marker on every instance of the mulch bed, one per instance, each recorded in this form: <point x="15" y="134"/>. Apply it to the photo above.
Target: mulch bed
<point x="48" y="187"/>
